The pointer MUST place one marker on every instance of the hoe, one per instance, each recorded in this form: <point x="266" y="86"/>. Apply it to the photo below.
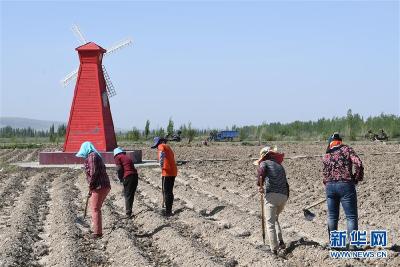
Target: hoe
<point x="308" y="214"/>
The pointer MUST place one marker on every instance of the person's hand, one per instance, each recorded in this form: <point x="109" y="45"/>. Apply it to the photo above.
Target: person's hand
<point x="261" y="189"/>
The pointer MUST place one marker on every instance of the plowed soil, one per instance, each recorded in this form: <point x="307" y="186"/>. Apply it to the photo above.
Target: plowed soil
<point x="217" y="213"/>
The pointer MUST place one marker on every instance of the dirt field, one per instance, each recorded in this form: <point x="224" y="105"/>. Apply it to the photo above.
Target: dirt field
<point x="217" y="213"/>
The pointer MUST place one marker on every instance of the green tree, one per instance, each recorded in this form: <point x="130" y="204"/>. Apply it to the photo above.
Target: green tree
<point x="61" y="131"/>
<point x="133" y="135"/>
<point x="52" y="135"/>
<point x="350" y="125"/>
<point x="243" y="134"/>
<point x="170" y="127"/>
<point x="160" y="132"/>
<point x="191" y="133"/>
<point x="147" y="129"/>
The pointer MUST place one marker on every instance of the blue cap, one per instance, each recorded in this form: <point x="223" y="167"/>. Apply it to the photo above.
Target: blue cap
<point x="157" y="140"/>
<point x="334" y="136"/>
<point x="117" y="151"/>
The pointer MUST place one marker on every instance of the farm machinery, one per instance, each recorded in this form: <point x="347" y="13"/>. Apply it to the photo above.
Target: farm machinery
<point x="176" y="137"/>
<point x="223" y="135"/>
<point x="382" y="136"/>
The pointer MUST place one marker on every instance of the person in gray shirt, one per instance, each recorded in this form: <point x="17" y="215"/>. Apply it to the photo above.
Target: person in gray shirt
<point x="272" y="182"/>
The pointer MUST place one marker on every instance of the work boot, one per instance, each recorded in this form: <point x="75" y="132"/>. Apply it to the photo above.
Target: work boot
<point x="282" y="244"/>
<point x="166" y="213"/>
<point x="97" y="236"/>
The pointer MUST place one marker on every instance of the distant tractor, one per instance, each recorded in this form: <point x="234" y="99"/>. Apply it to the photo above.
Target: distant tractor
<point x="176" y="137"/>
<point x="223" y="135"/>
<point x="382" y="136"/>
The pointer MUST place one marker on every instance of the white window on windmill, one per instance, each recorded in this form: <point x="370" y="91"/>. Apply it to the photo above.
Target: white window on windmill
<point x="105" y="99"/>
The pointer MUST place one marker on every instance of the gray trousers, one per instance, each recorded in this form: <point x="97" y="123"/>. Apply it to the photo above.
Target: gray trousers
<point x="275" y="203"/>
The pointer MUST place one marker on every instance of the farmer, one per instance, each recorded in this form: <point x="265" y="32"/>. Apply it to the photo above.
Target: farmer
<point x="273" y="183"/>
<point x="340" y="182"/>
<point x="169" y="171"/>
<point x="98" y="181"/>
<point x="128" y="176"/>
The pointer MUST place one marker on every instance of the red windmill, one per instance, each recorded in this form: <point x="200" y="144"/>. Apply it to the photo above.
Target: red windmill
<point x="90" y="116"/>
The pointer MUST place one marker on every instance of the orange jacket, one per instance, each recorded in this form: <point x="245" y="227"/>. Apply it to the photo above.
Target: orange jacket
<point x="169" y="165"/>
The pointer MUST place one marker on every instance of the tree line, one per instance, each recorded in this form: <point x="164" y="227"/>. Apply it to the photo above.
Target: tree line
<point x="352" y="127"/>
<point x="184" y="131"/>
<point x="9" y="132"/>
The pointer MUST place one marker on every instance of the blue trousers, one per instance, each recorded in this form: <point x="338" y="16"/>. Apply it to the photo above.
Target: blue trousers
<point x="344" y="193"/>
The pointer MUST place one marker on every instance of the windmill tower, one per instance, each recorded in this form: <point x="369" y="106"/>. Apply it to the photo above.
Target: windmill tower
<point x="90" y="116"/>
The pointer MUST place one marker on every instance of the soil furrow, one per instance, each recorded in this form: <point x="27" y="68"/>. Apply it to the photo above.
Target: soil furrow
<point x="11" y="188"/>
<point x="6" y="155"/>
<point x="18" y="239"/>
<point x="243" y="223"/>
<point x="119" y="242"/>
<point x="62" y="234"/>
<point x="32" y="155"/>
<point x="3" y="151"/>
<point x="211" y="234"/>
<point x="125" y="246"/>
<point x="17" y="155"/>
<point x="178" y="241"/>
<point x="240" y="225"/>
<point x="167" y="240"/>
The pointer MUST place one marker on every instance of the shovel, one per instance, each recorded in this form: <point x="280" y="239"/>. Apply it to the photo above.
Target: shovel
<point x="308" y="214"/>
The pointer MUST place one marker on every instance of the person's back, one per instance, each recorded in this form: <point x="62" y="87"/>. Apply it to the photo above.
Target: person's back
<point x="275" y="180"/>
<point x="96" y="172"/>
<point x="272" y="182"/>
<point x="338" y="164"/>
<point x="127" y="174"/>
<point x="167" y="160"/>
<point x="340" y="181"/>
<point x="126" y="164"/>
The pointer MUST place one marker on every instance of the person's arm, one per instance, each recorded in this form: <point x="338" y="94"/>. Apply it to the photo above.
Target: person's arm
<point x="92" y="170"/>
<point x="261" y="174"/>
<point x="358" y="166"/>
<point x="162" y="157"/>
<point x="120" y="173"/>
<point x="120" y="169"/>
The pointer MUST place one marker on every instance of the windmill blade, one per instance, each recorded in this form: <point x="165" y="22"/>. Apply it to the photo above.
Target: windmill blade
<point x="109" y="86"/>
<point x="78" y="34"/>
<point x="70" y="77"/>
<point x="118" y="46"/>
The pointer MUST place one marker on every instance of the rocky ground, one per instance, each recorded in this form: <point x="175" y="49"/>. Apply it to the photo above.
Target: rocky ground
<point x="217" y="212"/>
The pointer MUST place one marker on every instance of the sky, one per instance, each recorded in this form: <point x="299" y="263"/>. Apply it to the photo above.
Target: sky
<point x="211" y="63"/>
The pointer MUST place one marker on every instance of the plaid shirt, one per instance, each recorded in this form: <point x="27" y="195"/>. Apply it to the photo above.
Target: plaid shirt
<point x="338" y="164"/>
<point x="96" y="174"/>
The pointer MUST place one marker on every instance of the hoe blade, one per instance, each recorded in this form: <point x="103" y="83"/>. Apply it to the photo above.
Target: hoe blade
<point x="308" y="215"/>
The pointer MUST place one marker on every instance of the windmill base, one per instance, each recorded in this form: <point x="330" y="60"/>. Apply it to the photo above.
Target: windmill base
<point x="59" y="157"/>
